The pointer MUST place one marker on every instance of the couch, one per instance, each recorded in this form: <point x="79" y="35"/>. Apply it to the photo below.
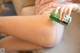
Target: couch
<point x="24" y="7"/>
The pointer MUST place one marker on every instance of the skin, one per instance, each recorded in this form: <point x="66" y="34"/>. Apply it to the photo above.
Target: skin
<point x="41" y="35"/>
<point x="37" y="29"/>
<point x="12" y="43"/>
<point x="66" y="9"/>
<point x="17" y="37"/>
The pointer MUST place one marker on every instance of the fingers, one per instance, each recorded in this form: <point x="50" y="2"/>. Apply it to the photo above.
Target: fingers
<point x="63" y="10"/>
<point x="69" y="11"/>
<point x="64" y="13"/>
<point x="57" y="9"/>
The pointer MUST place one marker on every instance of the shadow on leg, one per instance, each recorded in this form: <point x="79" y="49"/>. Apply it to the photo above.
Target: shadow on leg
<point x="11" y="43"/>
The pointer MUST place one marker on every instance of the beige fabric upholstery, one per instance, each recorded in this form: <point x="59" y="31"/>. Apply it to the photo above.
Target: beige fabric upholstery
<point x="27" y="2"/>
<point x="28" y="11"/>
<point x="20" y="4"/>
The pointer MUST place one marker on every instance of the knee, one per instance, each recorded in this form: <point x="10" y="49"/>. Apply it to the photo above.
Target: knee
<point x="51" y="42"/>
<point x="47" y="43"/>
<point x="59" y="33"/>
<point x="55" y="38"/>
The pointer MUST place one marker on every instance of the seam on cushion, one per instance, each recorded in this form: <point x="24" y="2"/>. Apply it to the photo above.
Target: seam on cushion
<point x="29" y="5"/>
<point x="25" y="4"/>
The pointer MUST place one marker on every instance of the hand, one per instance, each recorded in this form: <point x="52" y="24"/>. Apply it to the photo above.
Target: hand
<point x="65" y="9"/>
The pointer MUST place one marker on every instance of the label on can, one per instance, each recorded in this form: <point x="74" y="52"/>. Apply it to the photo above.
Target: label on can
<point x="55" y="17"/>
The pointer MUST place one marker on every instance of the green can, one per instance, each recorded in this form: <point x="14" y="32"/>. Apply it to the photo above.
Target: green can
<point x="55" y="17"/>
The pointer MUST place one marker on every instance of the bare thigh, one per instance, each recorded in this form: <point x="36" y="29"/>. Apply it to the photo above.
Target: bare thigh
<point x="11" y="43"/>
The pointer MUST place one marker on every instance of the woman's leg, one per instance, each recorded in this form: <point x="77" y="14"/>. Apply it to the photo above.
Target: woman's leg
<point x="37" y="29"/>
<point x="11" y="43"/>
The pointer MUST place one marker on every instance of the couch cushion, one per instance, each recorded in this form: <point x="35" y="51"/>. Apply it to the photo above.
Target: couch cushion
<point x="27" y="2"/>
<point x="20" y="4"/>
<point x="28" y="10"/>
